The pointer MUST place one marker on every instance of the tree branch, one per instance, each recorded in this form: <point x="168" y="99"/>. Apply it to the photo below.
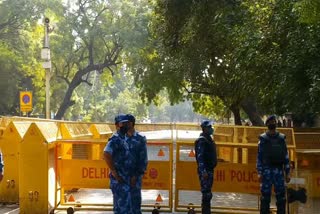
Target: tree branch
<point x="191" y="91"/>
<point x="87" y="82"/>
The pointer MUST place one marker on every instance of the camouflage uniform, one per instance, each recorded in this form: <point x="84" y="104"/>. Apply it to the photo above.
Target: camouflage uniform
<point x="206" y="157"/>
<point x="123" y="161"/>
<point x="138" y="147"/>
<point x="272" y="175"/>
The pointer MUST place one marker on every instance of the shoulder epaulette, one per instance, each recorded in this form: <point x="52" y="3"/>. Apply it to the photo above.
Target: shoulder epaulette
<point x="282" y="136"/>
<point x="140" y="134"/>
<point x="263" y="136"/>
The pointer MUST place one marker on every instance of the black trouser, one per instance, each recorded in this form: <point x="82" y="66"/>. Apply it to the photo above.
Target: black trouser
<point x="206" y="186"/>
<point x="265" y="204"/>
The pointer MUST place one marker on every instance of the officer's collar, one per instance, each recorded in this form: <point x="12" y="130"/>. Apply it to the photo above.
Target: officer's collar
<point x="276" y="133"/>
<point x="206" y="135"/>
<point x="134" y="134"/>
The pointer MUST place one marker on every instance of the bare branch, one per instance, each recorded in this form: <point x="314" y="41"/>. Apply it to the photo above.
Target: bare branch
<point x="87" y="82"/>
<point x="111" y="71"/>
<point x="99" y="14"/>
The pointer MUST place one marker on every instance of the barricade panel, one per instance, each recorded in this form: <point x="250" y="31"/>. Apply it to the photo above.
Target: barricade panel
<point x="236" y="170"/>
<point x="145" y="127"/>
<point x="72" y="130"/>
<point x="37" y="171"/>
<point x="9" y="144"/>
<point x="100" y="131"/>
<point x="83" y="172"/>
<point x="82" y="168"/>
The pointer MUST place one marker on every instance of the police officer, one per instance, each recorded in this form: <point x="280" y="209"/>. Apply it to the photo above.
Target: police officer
<point x="273" y="167"/>
<point x="120" y="162"/>
<point x="206" y="157"/>
<point x="138" y="147"/>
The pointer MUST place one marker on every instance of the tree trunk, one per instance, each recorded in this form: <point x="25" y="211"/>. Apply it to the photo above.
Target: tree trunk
<point x="236" y="114"/>
<point x="249" y="107"/>
<point x="67" y="102"/>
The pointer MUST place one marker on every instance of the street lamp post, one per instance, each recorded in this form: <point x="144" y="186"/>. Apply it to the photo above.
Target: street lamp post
<point x="45" y="55"/>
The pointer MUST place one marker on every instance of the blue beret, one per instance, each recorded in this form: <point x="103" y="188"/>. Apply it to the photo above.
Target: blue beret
<point x="271" y="117"/>
<point x="120" y="118"/>
<point x="131" y="118"/>
<point x="206" y="123"/>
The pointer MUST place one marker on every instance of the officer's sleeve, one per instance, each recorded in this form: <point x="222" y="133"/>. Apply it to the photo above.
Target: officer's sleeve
<point x="287" y="160"/>
<point x="109" y="147"/>
<point x="1" y="163"/>
<point x="200" y="158"/>
<point x="143" y="157"/>
<point x="215" y="161"/>
<point x="259" y="158"/>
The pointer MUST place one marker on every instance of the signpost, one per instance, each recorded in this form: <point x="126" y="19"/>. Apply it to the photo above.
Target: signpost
<point x="25" y="101"/>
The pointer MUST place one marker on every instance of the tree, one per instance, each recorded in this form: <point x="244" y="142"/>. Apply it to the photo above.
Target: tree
<point x="87" y="45"/>
<point x="247" y="54"/>
<point x="92" y="38"/>
<point x="192" y="54"/>
<point x="18" y="44"/>
<point x="285" y="51"/>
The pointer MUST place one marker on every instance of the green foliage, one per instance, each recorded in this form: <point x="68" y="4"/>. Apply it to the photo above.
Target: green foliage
<point x="232" y="51"/>
<point x="10" y="76"/>
<point x="19" y="49"/>
<point x="309" y="10"/>
<point x="218" y="54"/>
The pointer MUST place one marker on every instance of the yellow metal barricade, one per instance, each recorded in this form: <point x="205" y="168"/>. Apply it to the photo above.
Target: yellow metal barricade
<point x="159" y="174"/>
<point x="308" y="155"/>
<point x="236" y="170"/>
<point x="37" y="169"/>
<point x="62" y="159"/>
<point x="74" y="130"/>
<point x="93" y="173"/>
<point x="100" y="131"/>
<point x="9" y="144"/>
<point x="2" y="126"/>
<point x="79" y="172"/>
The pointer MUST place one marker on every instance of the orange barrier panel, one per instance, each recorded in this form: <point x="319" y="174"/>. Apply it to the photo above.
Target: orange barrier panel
<point x="236" y="171"/>
<point x="92" y="172"/>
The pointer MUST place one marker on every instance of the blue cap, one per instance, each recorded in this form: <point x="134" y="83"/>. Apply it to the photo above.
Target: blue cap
<point x="120" y="118"/>
<point x="131" y="118"/>
<point x="206" y="123"/>
<point x="271" y="117"/>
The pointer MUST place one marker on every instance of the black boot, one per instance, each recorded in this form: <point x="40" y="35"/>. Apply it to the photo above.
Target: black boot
<point x="281" y="203"/>
<point x="265" y="205"/>
<point x="206" y="208"/>
<point x="281" y="207"/>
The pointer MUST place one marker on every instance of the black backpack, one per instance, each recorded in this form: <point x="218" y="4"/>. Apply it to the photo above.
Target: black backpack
<point x="274" y="149"/>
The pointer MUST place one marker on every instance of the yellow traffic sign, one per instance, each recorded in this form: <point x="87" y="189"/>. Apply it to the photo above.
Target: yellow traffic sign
<point x="25" y="101"/>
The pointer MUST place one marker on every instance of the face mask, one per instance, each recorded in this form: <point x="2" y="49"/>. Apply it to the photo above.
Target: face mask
<point x="124" y="129"/>
<point x="210" y="131"/>
<point x="272" y="126"/>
